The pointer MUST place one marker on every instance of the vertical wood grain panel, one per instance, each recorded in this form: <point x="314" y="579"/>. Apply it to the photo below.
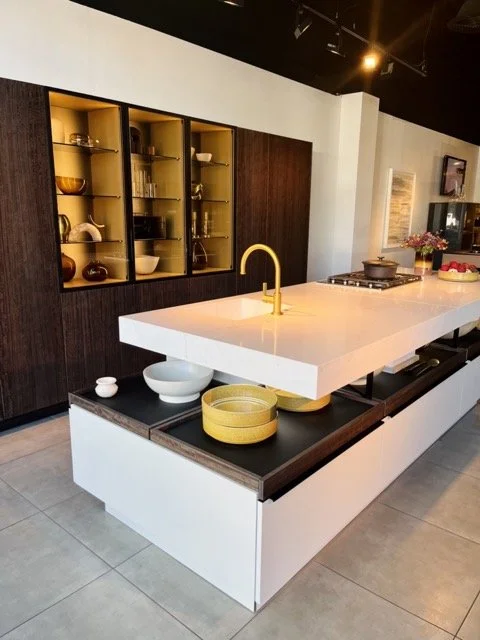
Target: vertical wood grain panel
<point x="289" y="206"/>
<point x="251" y="205"/>
<point x="210" y="287"/>
<point x="32" y="366"/>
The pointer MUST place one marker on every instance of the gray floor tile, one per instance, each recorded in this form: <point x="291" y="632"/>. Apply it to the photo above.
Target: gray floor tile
<point x="446" y="498"/>
<point x="84" y="517"/>
<point x="44" y="478"/>
<point x="428" y="571"/>
<point x="109" y="608"/>
<point x="470" y="422"/>
<point x="12" y="506"/>
<point x="470" y="629"/>
<point x="34" y="438"/>
<point x="200" y="606"/>
<point x="459" y="449"/>
<point x="318" y="604"/>
<point x="40" y="564"/>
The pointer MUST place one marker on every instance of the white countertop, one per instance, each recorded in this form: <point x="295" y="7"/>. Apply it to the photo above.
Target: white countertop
<point x="330" y="336"/>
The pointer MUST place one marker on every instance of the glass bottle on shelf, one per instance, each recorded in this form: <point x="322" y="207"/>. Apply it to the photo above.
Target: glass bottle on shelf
<point x="194" y="224"/>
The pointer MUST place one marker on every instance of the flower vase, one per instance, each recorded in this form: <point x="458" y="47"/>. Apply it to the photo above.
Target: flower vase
<point x="423" y="263"/>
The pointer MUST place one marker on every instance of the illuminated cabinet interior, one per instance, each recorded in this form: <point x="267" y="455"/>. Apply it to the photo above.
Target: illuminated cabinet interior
<point x="89" y="185"/>
<point x="157" y="179"/>
<point x="211" y="197"/>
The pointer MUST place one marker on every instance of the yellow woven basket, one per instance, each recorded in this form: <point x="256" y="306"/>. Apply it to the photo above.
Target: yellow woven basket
<point x="453" y="276"/>
<point x="239" y="405"/>
<point x="239" y="435"/>
<point x="293" y="402"/>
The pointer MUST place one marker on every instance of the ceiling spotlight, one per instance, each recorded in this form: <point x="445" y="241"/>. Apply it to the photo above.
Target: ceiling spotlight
<point x="234" y="3"/>
<point x="336" y="47"/>
<point x="302" y="22"/>
<point x="387" y="69"/>
<point x="370" y="61"/>
<point x="467" y="19"/>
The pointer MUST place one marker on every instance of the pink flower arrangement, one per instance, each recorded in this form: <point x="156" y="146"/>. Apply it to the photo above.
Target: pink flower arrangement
<point x="425" y="243"/>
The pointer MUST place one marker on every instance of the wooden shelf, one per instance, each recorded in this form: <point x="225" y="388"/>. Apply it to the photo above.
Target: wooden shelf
<point x="81" y="282"/>
<point x="156" y="275"/>
<point x="211" y="270"/>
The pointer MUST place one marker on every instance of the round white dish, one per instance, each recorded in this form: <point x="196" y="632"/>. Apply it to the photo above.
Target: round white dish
<point x="106" y="387"/>
<point x="464" y="329"/>
<point x="146" y="264"/>
<point x="361" y="382"/>
<point x="204" y="157"/>
<point x="177" y="381"/>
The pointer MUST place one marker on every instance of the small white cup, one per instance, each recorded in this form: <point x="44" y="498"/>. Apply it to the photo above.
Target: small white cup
<point x="106" y="387"/>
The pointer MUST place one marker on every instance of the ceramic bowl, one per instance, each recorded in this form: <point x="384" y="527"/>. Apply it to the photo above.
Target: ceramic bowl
<point x="204" y="157"/>
<point x="293" y="402"/>
<point x="239" y="405"/>
<point x="71" y="186"/>
<point x="177" y="381"/>
<point x="361" y="382"/>
<point x="464" y="329"/>
<point x="146" y="264"/>
<point x="456" y="276"/>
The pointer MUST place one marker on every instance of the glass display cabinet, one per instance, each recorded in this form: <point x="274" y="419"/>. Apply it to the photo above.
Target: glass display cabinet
<point x="157" y="193"/>
<point x="211" y="215"/>
<point x="89" y="186"/>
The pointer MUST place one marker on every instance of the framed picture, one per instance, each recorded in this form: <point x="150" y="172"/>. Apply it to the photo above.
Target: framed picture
<point x="453" y="176"/>
<point x="399" y="207"/>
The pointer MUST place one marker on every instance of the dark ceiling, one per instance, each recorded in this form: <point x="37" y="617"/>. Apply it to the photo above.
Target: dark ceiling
<point x="261" y="33"/>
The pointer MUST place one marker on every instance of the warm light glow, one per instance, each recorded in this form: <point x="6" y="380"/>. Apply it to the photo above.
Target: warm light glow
<point x="370" y="61"/>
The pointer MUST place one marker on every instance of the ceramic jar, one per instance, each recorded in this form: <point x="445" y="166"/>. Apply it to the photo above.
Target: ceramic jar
<point x="68" y="267"/>
<point x="106" y="387"/>
<point x="95" y="271"/>
<point x="64" y="227"/>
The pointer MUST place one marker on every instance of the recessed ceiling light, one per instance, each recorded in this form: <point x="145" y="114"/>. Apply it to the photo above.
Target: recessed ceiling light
<point x="234" y="3"/>
<point x="370" y="61"/>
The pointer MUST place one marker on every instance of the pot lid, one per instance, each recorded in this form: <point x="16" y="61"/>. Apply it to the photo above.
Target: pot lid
<point x="380" y="262"/>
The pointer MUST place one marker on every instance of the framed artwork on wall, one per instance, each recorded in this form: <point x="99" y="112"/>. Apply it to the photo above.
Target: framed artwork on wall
<point x="399" y="207"/>
<point x="453" y="176"/>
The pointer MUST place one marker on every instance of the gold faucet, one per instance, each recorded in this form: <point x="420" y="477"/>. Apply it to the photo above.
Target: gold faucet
<point x="277" y="296"/>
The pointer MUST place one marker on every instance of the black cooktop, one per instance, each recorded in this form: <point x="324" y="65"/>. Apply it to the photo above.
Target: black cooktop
<point x="358" y="279"/>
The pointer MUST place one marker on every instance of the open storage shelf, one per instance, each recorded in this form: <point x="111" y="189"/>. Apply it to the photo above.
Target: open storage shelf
<point x="102" y="167"/>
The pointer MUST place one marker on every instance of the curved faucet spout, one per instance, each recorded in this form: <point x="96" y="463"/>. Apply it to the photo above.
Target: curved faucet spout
<point x="277" y="296"/>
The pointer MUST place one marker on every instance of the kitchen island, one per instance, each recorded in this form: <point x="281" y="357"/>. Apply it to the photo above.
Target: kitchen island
<point x="248" y="520"/>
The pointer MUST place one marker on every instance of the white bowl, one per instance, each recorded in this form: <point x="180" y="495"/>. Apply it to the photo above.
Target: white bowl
<point x="146" y="264"/>
<point x="361" y="382"/>
<point x="464" y="329"/>
<point x="177" y="381"/>
<point x="204" y="157"/>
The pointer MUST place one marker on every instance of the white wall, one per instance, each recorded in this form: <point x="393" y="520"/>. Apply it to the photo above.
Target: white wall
<point x="409" y="147"/>
<point x="64" y="45"/>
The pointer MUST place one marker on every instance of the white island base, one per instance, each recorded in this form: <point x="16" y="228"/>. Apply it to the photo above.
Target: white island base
<point x="218" y="528"/>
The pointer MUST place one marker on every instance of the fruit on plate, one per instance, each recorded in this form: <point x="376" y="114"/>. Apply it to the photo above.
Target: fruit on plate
<point x="458" y="272"/>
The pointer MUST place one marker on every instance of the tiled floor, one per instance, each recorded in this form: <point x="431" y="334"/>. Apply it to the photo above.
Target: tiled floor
<point x="407" y="568"/>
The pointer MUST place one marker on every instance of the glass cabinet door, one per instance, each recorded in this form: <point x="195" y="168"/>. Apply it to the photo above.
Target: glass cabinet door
<point x="158" y="193"/>
<point x="86" y="138"/>
<point x="211" y="213"/>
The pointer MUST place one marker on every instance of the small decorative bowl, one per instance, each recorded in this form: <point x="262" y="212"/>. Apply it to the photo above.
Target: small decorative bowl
<point x="177" y="381"/>
<point x="239" y="405"/>
<point x="457" y="276"/>
<point x="204" y="157"/>
<point x="146" y="264"/>
<point x="71" y="186"/>
<point x="293" y="402"/>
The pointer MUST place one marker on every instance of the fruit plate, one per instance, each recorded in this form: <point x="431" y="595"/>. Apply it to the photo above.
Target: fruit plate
<point x="457" y="276"/>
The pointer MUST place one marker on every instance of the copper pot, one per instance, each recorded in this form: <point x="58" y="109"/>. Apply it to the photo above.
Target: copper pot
<point x="380" y="269"/>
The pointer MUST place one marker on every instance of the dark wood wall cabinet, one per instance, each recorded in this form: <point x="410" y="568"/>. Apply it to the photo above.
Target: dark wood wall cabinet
<point x="60" y="336"/>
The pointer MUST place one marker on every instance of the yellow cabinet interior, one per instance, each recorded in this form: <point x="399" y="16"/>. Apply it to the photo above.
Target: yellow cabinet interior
<point x="97" y="159"/>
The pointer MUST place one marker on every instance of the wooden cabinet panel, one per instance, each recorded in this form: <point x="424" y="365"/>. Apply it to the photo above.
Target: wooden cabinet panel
<point x="289" y="206"/>
<point x="32" y="366"/>
<point x="210" y="287"/>
<point x="252" y="204"/>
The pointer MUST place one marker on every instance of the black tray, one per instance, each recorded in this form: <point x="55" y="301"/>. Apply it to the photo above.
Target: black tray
<point x="470" y="342"/>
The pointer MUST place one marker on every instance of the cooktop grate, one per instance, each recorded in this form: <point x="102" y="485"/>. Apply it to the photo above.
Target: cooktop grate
<point x="358" y="279"/>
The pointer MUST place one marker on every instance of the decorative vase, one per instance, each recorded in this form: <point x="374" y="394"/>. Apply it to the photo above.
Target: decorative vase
<point x="199" y="256"/>
<point x="95" y="271"/>
<point x="64" y="227"/>
<point x="68" y="267"/>
<point x="423" y="263"/>
<point x="106" y="387"/>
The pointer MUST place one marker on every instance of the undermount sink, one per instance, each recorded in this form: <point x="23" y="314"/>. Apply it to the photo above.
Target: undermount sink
<point x="238" y="308"/>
